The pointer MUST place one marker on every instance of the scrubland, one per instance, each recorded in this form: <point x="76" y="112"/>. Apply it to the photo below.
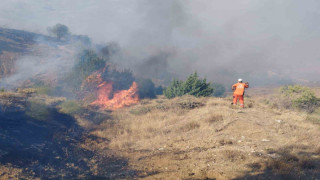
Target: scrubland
<point x="180" y="138"/>
<point x="207" y="138"/>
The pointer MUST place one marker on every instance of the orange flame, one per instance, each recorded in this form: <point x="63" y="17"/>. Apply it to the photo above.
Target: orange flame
<point x="120" y="98"/>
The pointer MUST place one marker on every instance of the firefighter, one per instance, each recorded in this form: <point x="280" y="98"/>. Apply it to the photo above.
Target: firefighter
<point x="238" y="92"/>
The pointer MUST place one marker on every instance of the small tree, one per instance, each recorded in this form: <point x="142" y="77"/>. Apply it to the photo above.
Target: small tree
<point x="89" y="62"/>
<point x="146" y="88"/>
<point x="192" y="86"/>
<point x="60" y="31"/>
<point x="197" y="87"/>
<point x="86" y="63"/>
<point x="176" y="88"/>
<point x="159" y="90"/>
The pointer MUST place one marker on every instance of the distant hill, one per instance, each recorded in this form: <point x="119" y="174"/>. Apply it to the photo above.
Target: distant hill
<point x="12" y="40"/>
<point x="15" y="43"/>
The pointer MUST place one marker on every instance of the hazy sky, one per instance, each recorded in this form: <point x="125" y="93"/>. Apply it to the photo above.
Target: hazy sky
<point x="218" y="38"/>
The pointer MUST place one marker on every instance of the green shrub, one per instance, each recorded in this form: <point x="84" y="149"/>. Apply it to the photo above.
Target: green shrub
<point x="176" y="88"/>
<point x="70" y="107"/>
<point x="298" y="97"/>
<point x="159" y="90"/>
<point x="146" y="88"/>
<point x="192" y="86"/>
<point x="87" y="62"/>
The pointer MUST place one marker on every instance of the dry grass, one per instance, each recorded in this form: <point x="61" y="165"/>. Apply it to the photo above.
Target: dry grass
<point x="214" y="118"/>
<point x="233" y="155"/>
<point x="206" y="138"/>
<point x="190" y="126"/>
<point x="149" y="125"/>
<point x="9" y="172"/>
<point x="193" y="138"/>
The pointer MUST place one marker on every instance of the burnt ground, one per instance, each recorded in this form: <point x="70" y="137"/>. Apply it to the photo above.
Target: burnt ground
<point x="50" y="147"/>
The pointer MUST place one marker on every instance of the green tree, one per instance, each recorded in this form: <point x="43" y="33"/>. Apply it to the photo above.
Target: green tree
<point x="159" y="90"/>
<point x="176" y="88"/>
<point x="146" y="88"/>
<point x="197" y="87"/>
<point x="60" y="31"/>
<point x="192" y="86"/>
<point x="87" y="62"/>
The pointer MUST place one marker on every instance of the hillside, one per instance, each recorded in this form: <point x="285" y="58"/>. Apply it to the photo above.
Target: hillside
<point x="40" y="138"/>
<point x="15" y="44"/>
<point x="76" y="137"/>
<point x="184" y="138"/>
<point x="191" y="138"/>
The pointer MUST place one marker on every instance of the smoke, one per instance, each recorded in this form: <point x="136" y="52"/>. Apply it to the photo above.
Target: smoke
<point x="263" y="42"/>
<point x="47" y="60"/>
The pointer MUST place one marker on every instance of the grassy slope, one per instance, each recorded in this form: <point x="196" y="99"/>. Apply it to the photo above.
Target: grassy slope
<point x="163" y="140"/>
<point x="184" y="138"/>
<point x="41" y="138"/>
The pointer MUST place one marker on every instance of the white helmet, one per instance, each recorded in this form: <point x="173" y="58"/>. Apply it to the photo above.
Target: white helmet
<point x="239" y="80"/>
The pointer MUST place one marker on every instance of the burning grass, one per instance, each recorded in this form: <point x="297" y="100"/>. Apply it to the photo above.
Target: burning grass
<point x="107" y="97"/>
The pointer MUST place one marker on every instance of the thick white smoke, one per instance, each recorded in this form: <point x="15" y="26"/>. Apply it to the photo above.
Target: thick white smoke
<point x="258" y="41"/>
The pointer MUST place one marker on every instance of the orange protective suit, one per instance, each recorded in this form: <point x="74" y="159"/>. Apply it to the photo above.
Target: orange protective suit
<point x="238" y="92"/>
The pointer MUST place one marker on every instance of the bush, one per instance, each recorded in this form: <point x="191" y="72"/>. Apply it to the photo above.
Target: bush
<point x="192" y="86"/>
<point x="60" y="31"/>
<point x="146" y="88"/>
<point x="298" y="97"/>
<point x="87" y="62"/>
<point x="176" y="88"/>
<point x="159" y="90"/>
